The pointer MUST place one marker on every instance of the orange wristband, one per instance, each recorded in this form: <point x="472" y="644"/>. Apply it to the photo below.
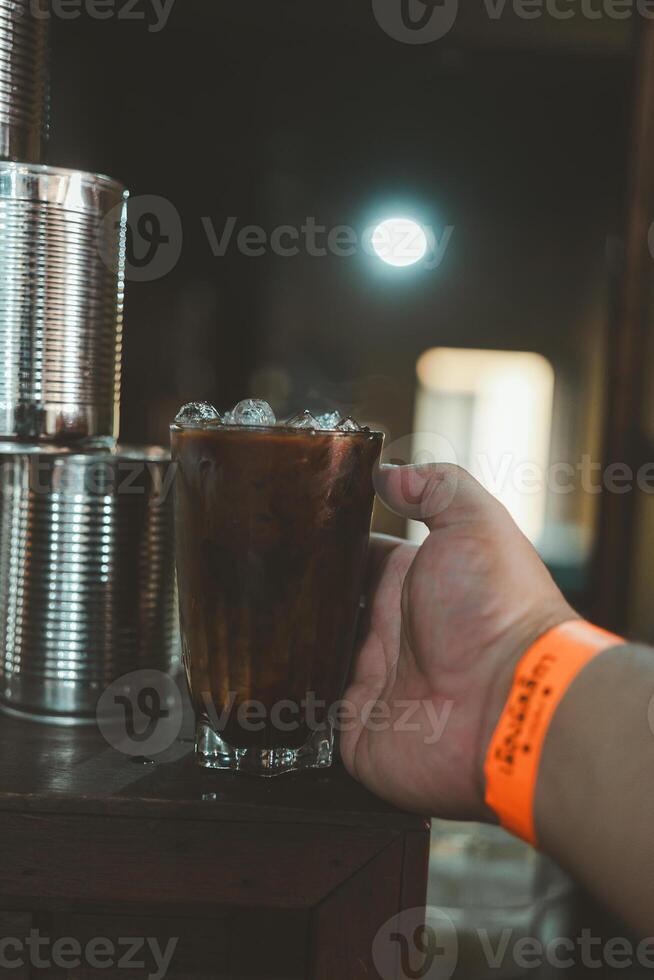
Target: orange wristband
<point x="542" y="677"/>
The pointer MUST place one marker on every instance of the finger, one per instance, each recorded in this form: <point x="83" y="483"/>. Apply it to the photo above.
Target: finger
<point x="439" y="494"/>
<point x="381" y="546"/>
<point x="381" y="550"/>
<point x="378" y="639"/>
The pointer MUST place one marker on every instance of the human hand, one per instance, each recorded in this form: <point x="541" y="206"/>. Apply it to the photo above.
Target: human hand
<point x="446" y="625"/>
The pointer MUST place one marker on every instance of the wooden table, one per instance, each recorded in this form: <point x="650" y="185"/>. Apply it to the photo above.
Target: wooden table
<point x="286" y="878"/>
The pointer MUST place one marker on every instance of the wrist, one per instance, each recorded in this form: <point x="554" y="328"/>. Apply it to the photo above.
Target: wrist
<point x="506" y="657"/>
<point x="593" y="805"/>
<point x="544" y="675"/>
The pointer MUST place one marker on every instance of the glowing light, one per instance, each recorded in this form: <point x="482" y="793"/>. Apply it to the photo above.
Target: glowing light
<point x="495" y="409"/>
<point x="399" y="241"/>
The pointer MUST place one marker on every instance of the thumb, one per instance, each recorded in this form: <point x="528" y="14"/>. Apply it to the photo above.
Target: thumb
<point x="439" y="494"/>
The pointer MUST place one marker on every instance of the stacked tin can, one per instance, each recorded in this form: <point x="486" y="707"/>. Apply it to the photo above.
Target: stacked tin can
<point x="86" y="546"/>
<point x="24" y="93"/>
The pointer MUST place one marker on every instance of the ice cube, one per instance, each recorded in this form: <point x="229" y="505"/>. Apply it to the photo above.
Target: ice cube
<point x="228" y="418"/>
<point x="329" y="420"/>
<point x="303" y="420"/>
<point x="195" y="413"/>
<point x="251" y="411"/>
<point x="349" y="425"/>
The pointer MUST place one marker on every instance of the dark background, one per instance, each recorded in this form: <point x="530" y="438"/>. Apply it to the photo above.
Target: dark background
<point x="515" y="132"/>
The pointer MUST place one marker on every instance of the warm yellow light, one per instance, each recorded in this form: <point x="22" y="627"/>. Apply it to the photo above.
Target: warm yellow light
<point x="495" y="409"/>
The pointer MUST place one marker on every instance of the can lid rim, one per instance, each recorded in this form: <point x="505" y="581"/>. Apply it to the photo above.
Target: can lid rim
<point x="30" y="170"/>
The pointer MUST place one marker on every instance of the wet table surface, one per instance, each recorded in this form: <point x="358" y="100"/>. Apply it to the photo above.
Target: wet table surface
<point x="52" y="768"/>
<point x="95" y="842"/>
<point x="313" y="862"/>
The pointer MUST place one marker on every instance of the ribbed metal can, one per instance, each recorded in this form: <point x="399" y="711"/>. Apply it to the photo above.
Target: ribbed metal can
<point x="24" y="79"/>
<point x="62" y="267"/>
<point x="87" y="581"/>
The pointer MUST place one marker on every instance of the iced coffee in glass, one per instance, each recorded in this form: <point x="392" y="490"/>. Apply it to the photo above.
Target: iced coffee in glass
<point x="272" y="528"/>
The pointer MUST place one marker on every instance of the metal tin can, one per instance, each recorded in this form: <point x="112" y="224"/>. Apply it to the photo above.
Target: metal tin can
<point x="24" y="79"/>
<point x="87" y="582"/>
<point x="62" y="256"/>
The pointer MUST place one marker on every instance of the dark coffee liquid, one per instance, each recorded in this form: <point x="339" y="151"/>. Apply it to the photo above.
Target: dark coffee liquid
<point x="272" y="533"/>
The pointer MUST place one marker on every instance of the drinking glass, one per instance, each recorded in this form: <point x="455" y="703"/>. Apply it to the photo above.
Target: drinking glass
<point x="272" y="529"/>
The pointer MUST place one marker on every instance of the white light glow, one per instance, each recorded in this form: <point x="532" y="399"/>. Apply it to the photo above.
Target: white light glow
<point x="495" y="409"/>
<point x="399" y="241"/>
